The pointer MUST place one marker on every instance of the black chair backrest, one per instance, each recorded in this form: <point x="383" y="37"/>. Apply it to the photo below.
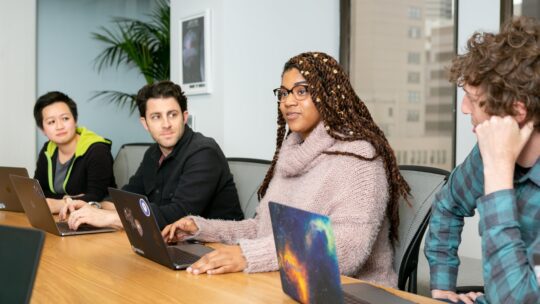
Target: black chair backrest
<point x="425" y="182"/>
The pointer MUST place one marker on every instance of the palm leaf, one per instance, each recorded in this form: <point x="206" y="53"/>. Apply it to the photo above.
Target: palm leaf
<point x="121" y="99"/>
<point x="136" y="44"/>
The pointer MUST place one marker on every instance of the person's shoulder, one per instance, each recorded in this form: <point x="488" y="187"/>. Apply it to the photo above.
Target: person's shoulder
<point x="200" y="141"/>
<point x="152" y="150"/>
<point x="472" y="163"/>
<point x="44" y="147"/>
<point x="358" y="147"/>
<point x="101" y="148"/>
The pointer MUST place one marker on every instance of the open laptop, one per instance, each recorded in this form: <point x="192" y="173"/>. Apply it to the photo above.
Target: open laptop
<point x="19" y="259"/>
<point x="308" y="265"/>
<point x="8" y="198"/>
<point x="35" y="206"/>
<point x="145" y="236"/>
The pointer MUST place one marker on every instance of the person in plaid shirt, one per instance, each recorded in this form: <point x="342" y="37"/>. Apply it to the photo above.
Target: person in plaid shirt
<point x="500" y="178"/>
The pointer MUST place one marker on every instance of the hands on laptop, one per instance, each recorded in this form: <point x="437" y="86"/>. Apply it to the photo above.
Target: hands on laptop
<point x="82" y="213"/>
<point x="226" y="258"/>
<point x="179" y="230"/>
<point x="55" y="204"/>
<point x="467" y="298"/>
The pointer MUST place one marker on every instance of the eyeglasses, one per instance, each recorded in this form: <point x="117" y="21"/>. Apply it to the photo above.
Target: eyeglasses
<point x="299" y="91"/>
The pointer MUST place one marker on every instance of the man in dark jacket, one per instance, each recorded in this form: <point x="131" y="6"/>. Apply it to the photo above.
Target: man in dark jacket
<point x="183" y="173"/>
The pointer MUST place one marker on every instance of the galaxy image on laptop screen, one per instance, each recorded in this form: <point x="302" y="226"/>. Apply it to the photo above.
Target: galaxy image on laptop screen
<point x="306" y="254"/>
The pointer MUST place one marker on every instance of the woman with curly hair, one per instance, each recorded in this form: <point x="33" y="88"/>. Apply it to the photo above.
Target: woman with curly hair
<point x="332" y="160"/>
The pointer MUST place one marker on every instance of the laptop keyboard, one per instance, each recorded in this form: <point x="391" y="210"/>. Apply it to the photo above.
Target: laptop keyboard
<point x="182" y="257"/>
<point x="63" y="226"/>
<point x="350" y="299"/>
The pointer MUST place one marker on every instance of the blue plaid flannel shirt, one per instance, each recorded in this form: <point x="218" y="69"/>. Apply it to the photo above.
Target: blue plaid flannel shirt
<point x="509" y="227"/>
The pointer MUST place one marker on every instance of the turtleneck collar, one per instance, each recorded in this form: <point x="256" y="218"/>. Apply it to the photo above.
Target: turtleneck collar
<point x="298" y="156"/>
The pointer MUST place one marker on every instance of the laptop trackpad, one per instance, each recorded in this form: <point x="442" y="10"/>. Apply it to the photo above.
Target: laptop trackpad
<point x="195" y="249"/>
<point x="373" y="294"/>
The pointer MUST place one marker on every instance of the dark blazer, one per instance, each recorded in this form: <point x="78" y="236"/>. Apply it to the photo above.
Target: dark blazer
<point x="194" y="179"/>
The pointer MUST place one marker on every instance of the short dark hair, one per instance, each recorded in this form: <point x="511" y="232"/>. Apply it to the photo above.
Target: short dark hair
<point x="161" y="89"/>
<point x="50" y="98"/>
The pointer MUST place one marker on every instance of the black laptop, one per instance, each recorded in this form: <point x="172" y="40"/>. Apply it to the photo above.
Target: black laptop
<point x="144" y="234"/>
<point x="20" y="251"/>
<point x="8" y="197"/>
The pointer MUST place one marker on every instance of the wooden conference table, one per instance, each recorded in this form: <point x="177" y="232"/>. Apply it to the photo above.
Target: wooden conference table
<point x="101" y="268"/>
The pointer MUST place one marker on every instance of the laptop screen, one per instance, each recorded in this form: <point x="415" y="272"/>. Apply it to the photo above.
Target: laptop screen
<point x="306" y="253"/>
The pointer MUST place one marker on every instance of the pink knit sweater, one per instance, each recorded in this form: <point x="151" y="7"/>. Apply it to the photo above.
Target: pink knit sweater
<point x="353" y="193"/>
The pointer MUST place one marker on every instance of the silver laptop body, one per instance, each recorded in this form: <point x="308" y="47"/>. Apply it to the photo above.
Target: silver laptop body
<point x="35" y="206"/>
<point x="8" y="197"/>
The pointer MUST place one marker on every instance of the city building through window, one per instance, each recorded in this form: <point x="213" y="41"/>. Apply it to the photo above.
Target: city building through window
<point x="399" y="55"/>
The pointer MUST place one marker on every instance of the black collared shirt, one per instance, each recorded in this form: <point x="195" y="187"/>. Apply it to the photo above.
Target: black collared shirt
<point x="194" y="179"/>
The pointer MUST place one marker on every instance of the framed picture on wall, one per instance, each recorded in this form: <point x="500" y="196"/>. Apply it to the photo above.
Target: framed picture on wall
<point x="195" y="54"/>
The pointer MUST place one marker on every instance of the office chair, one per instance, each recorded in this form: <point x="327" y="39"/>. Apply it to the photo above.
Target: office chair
<point x="425" y="182"/>
<point x="248" y="174"/>
<point x="20" y="252"/>
<point x="127" y="161"/>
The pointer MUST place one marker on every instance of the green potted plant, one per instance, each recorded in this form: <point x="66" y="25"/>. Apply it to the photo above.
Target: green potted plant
<point x="137" y="44"/>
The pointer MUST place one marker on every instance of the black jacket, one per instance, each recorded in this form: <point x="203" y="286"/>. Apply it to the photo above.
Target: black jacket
<point x="90" y="175"/>
<point x="194" y="179"/>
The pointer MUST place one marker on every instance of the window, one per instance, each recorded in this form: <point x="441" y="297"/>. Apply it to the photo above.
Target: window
<point x="444" y="56"/>
<point x="413" y="77"/>
<point x="414" y="13"/>
<point x="438" y="74"/>
<point x="441" y="91"/>
<point x="414" y="97"/>
<point x="415" y="32"/>
<point x="529" y="8"/>
<point x="413" y="58"/>
<point x="418" y="39"/>
<point x="413" y="115"/>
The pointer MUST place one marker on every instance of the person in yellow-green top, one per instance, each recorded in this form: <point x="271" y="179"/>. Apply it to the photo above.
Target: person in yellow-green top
<point x="75" y="162"/>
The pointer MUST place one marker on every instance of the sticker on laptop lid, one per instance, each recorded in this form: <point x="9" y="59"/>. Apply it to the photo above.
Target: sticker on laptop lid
<point x="144" y="207"/>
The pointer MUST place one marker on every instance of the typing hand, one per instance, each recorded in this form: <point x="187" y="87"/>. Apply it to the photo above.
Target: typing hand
<point x="179" y="230"/>
<point x="228" y="258"/>
<point x="55" y="204"/>
<point x="467" y="298"/>
<point x="93" y="216"/>
<point x="501" y="141"/>
<point x="70" y="206"/>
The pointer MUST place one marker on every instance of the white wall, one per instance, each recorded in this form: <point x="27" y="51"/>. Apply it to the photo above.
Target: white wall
<point x="251" y="40"/>
<point x="65" y="62"/>
<point x="17" y="83"/>
<point x="470" y="20"/>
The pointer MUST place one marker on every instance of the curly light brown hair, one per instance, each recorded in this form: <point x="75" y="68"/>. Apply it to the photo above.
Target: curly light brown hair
<point x="345" y="118"/>
<point x="506" y="66"/>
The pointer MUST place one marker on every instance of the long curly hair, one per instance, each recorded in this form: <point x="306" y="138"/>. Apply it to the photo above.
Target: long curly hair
<point x="345" y="118"/>
<point x="506" y="66"/>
